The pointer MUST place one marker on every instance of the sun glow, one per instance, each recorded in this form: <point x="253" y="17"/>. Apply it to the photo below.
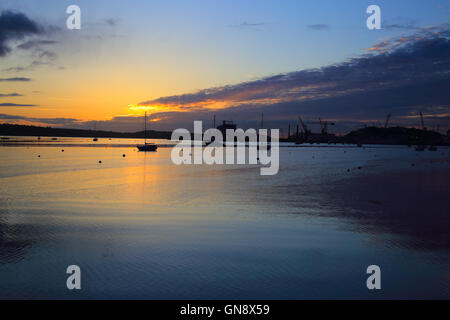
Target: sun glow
<point x="134" y="107"/>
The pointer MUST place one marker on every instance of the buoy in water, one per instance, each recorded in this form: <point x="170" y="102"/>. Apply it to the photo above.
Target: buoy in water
<point x="100" y="161"/>
<point x="123" y="155"/>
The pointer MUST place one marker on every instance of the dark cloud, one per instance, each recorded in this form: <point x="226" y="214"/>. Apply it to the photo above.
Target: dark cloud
<point x="50" y="57"/>
<point x="44" y="54"/>
<point x="319" y="27"/>
<point x="15" y="26"/>
<point x="8" y="104"/>
<point x="415" y="61"/>
<point x="42" y="57"/>
<point x="246" y="25"/>
<point x="13" y="94"/>
<point x="11" y="117"/>
<point x="50" y="121"/>
<point x="15" y="79"/>
<point x="401" y="23"/>
<point x="120" y="123"/>
<point x="32" y="44"/>
<point x="111" y="22"/>
<point x="402" y="76"/>
<point x="400" y="26"/>
<point x="14" y="69"/>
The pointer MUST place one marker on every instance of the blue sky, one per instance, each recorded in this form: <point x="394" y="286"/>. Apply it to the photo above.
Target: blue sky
<point x="215" y="31"/>
<point x="136" y="51"/>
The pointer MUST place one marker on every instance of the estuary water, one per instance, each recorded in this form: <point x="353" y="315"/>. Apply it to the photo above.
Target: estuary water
<point x="140" y="227"/>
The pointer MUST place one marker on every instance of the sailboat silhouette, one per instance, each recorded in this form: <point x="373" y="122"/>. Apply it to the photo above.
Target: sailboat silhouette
<point x="146" y="146"/>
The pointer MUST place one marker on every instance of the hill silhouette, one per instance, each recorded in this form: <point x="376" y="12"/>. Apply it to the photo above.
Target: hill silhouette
<point x="23" y="130"/>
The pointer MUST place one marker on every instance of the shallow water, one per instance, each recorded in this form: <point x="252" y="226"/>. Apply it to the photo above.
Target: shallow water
<point x="140" y="227"/>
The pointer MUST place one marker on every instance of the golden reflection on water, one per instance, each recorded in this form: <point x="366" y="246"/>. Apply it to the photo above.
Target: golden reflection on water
<point x="140" y="219"/>
<point x="143" y="184"/>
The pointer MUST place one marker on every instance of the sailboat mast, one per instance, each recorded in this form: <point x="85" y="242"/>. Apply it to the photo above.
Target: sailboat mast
<point x="145" y="128"/>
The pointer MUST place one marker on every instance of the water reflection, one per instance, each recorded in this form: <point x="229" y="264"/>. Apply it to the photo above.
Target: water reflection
<point x="15" y="236"/>
<point x="141" y="227"/>
<point x="412" y="204"/>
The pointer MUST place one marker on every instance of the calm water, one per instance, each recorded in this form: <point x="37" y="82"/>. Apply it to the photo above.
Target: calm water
<point x="141" y="227"/>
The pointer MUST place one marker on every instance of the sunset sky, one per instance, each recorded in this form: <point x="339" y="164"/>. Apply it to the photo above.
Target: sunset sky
<point x="188" y="60"/>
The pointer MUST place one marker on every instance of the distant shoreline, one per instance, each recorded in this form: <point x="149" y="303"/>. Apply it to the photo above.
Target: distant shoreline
<point x="366" y="136"/>
<point x="36" y="131"/>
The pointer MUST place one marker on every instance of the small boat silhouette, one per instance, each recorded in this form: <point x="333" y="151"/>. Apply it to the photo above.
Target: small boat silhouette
<point x="146" y="146"/>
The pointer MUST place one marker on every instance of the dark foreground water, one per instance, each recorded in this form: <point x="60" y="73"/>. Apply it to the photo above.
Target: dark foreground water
<point x="140" y="227"/>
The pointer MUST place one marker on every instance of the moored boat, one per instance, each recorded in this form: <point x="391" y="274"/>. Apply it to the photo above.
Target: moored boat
<point x="146" y="146"/>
